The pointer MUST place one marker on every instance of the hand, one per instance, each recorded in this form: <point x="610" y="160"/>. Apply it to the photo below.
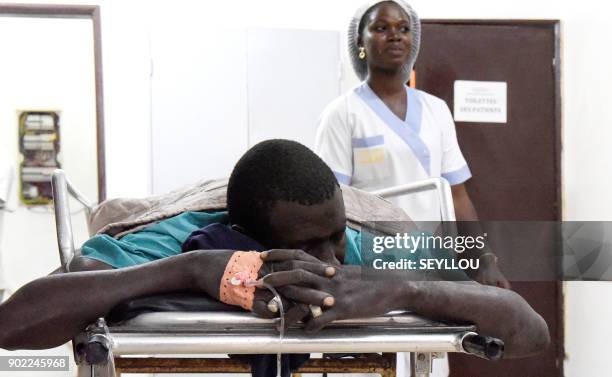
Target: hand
<point x="489" y="273"/>
<point x="293" y="267"/>
<point x="352" y="296"/>
<point x="356" y="297"/>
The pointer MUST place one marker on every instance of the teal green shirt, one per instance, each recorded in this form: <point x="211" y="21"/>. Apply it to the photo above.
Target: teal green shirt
<point x="164" y="239"/>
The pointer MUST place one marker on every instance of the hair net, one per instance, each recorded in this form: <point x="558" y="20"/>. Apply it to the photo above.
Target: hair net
<point x="359" y="65"/>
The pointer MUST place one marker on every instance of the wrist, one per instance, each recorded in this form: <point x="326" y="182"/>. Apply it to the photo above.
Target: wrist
<point x="204" y="270"/>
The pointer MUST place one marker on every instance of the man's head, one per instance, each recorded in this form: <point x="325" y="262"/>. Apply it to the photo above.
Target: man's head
<point x="285" y="196"/>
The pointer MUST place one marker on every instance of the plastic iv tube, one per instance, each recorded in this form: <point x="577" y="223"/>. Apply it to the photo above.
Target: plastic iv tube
<point x="281" y="329"/>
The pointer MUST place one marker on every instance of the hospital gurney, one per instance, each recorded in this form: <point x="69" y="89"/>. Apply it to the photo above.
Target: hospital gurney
<point x="172" y="341"/>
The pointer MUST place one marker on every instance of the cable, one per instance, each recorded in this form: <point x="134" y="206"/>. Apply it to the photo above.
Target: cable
<point x="281" y="330"/>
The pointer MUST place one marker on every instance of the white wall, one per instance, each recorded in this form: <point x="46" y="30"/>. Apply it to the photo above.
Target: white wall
<point x="253" y="92"/>
<point x="47" y="64"/>
<point x="586" y="111"/>
<point x="48" y="67"/>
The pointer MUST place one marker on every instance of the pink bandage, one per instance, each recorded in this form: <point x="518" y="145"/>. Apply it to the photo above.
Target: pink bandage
<point x="241" y="269"/>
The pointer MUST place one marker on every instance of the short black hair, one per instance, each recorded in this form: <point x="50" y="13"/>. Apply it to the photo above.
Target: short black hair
<point x="275" y="170"/>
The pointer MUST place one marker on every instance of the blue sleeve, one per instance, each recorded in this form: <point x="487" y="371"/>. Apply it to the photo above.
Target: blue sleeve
<point x="120" y="253"/>
<point x="352" y="253"/>
<point x="160" y="240"/>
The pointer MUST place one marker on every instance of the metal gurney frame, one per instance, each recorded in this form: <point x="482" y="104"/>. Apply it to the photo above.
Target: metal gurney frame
<point x="168" y="335"/>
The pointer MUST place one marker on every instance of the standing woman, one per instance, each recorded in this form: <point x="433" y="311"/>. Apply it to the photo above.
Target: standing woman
<point x="383" y="133"/>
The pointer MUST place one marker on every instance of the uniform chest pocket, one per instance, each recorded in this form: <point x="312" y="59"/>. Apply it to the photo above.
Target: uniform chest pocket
<point x="371" y="161"/>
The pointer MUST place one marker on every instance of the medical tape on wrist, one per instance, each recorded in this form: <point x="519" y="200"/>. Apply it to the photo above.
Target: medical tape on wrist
<point x="242" y="268"/>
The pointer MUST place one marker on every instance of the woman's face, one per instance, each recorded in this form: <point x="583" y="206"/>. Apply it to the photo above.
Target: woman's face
<point x="387" y="38"/>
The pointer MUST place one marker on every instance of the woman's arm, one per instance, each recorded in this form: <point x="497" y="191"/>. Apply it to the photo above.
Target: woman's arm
<point x="464" y="208"/>
<point x="466" y="215"/>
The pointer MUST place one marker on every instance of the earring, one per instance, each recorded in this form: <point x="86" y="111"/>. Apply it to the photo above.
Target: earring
<point x="362" y="53"/>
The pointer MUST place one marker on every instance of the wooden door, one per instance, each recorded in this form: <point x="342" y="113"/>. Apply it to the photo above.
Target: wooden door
<point x="516" y="165"/>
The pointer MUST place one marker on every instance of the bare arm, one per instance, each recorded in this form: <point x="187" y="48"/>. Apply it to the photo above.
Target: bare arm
<point x="464" y="208"/>
<point x="51" y="310"/>
<point x="496" y="312"/>
<point x="488" y="273"/>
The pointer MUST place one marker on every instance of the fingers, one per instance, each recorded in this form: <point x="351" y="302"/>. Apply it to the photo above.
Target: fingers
<point x="318" y="268"/>
<point x="489" y="281"/>
<point x="265" y="304"/>
<point x="495" y="280"/>
<point x="263" y="295"/>
<point x="294" y="277"/>
<point x="279" y="255"/>
<point x="503" y="283"/>
<point x="316" y="324"/>
<point x="306" y="295"/>
<point x="296" y="313"/>
<point x="260" y="308"/>
<point x="260" y="304"/>
<point x="274" y="306"/>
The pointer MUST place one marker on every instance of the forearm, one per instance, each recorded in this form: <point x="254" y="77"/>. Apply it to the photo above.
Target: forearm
<point x="496" y="312"/>
<point x="467" y="220"/>
<point x="50" y="311"/>
<point x="464" y="208"/>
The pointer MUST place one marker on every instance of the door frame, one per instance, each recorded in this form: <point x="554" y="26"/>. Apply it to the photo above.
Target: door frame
<point x="76" y="11"/>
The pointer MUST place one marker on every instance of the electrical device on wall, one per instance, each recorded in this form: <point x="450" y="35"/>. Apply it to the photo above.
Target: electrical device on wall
<point x="39" y="146"/>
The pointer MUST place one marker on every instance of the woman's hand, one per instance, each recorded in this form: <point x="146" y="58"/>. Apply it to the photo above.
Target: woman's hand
<point x="489" y="273"/>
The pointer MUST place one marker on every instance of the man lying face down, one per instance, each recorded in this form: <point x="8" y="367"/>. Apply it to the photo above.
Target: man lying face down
<point x="285" y="196"/>
<point x="305" y="228"/>
<point x="281" y="197"/>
